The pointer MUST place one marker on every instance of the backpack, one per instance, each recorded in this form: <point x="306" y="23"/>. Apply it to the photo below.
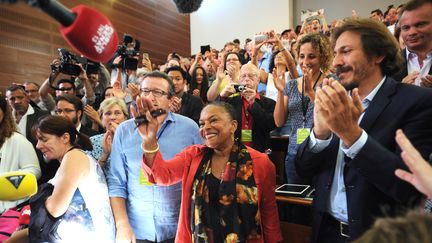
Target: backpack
<point x="9" y="221"/>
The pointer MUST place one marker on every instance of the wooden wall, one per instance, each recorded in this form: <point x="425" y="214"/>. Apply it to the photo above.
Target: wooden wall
<point x="29" y="38"/>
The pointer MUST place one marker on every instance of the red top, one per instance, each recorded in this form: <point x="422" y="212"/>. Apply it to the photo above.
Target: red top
<point x="184" y="167"/>
<point x="246" y="117"/>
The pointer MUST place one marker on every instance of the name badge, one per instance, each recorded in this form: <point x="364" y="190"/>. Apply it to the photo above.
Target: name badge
<point x="302" y="134"/>
<point x="143" y="180"/>
<point x="246" y="135"/>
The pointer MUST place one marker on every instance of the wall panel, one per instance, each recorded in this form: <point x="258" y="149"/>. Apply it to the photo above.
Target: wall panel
<point x="29" y="39"/>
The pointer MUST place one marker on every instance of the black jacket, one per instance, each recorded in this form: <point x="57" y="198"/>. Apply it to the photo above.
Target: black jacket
<point x="262" y="120"/>
<point x="404" y="69"/>
<point x="372" y="189"/>
<point x="48" y="169"/>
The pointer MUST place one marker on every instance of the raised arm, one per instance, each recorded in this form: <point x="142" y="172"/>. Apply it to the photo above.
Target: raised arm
<point x="158" y="170"/>
<point x="213" y="91"/>
<point x="281" y="107"/>
<point x="291" y="64"/>
<point x="88" y="89"/>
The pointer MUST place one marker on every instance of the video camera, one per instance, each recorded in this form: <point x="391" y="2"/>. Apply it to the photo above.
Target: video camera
<point x="68" y="64"/>
<point x="128" y="55"/>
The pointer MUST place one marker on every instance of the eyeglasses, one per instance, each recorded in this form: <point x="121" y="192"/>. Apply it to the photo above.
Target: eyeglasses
<point x="156" y="92"/>
<point x="248" y="75"/>
<point x="60" y="111"/>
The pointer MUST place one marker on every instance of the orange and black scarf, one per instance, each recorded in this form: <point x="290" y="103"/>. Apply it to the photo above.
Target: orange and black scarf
<point x="239" y="216"/>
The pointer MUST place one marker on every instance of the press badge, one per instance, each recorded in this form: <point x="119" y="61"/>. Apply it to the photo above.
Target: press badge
<point x="302" y="134"/>
<point x="246" y="135"/>
<point x="143" y="180"/>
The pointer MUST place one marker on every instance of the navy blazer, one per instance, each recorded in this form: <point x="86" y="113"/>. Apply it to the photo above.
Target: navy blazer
<point x="404" y="70"/>
<point x="372" y="189"/>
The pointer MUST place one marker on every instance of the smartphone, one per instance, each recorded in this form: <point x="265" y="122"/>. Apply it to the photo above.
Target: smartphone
<point x="145" y="55"/>
<point x="204" y="49"/>
<point x="260" y="38"/>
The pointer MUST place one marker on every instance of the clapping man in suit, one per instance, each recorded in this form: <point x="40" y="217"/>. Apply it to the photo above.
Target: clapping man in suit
<point x="351" y="153"/>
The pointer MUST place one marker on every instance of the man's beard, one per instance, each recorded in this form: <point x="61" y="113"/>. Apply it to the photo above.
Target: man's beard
<point x="347" y="85"/>
<point x="75" y="120"/>
<point x="20" y="109"/>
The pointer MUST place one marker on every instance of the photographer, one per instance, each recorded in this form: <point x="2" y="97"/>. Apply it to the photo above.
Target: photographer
<point x="99" y="78"/>
<point x="68" y="66"/>
<point x="124" y="63"/>
<point x="124" y="66"/>
<point x="254" y="112"/>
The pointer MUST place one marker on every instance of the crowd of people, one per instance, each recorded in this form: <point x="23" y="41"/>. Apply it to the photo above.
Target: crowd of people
<point x="179" y="152"/>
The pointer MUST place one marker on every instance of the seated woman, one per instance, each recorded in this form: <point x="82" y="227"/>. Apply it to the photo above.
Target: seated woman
<point x="12" y="144"/>
<point x="113" y="111"/>
<point x="80" y="194"/>
<point x="228" y="190"/>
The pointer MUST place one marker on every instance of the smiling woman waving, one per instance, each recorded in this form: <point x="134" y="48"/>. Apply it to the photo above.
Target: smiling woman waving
<point x="227" y="188"/>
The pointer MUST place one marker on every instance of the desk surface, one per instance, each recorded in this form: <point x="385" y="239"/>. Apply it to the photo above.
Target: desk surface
<point x="294" y="200"/>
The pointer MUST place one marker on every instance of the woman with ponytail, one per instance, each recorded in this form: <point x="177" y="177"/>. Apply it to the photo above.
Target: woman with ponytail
<point x="79" y="195"/>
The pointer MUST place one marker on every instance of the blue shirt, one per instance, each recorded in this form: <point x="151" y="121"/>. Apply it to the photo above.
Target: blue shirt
<point x="264" y="63"/>
<point x="152" y="210"/>
<point x="337" y="205"/>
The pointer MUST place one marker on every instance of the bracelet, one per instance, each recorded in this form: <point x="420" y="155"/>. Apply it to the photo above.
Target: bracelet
<point x="150" y="151"/>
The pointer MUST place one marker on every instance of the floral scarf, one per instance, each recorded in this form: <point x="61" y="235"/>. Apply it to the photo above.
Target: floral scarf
<point x="239" y="216"/>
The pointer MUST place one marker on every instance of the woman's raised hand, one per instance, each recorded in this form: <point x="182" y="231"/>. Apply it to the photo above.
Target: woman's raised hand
<point x="279" y="79"/>
<point x="148" y="129"/>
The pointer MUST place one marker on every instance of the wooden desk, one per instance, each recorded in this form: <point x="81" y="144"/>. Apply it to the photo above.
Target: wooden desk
<point x="294" y="200"/>
<point x="279" y="146"/>
<point x="293" y="232"/>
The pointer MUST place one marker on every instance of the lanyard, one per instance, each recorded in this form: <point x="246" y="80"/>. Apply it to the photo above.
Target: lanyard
<point x="162" y="129"/>
<point x="304" y="101"/>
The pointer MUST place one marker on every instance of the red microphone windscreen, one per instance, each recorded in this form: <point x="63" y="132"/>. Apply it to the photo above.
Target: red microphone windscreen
<point x="91" y="34"/>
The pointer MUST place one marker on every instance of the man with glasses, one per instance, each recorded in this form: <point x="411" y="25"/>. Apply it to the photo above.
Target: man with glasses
<point x="65" y="86"/>
<point x="26" y="117"/>
<point x="254" y="111"/>
<point x="182" y="102"/>
<point x="145" y="212"/>
<point x="71" y="107"/>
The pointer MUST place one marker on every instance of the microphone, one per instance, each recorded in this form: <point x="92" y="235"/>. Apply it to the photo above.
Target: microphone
<point x="187" y="6"/>
<point x="84" y="28"/>
<point x="17" y="185"/>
